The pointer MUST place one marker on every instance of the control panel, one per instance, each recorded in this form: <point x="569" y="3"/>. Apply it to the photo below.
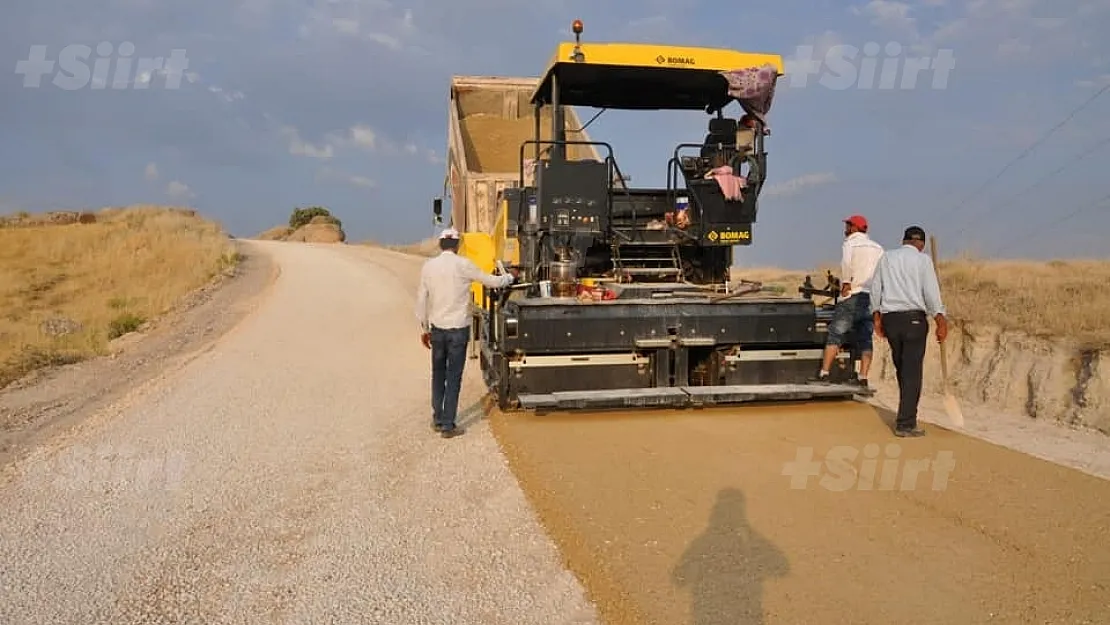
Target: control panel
<point x="574" y="196"/>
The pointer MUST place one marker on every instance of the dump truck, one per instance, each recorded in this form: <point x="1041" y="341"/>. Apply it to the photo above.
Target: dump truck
<point x="625" y="297"/>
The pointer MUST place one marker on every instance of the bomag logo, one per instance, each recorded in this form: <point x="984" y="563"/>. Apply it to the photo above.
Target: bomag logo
<point x="729" y="236"/>
<point x="675" y="60"/>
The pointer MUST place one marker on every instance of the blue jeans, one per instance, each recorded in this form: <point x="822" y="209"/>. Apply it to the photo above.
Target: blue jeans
<point x="853" y="313"/>
<point x="448" y="359"/>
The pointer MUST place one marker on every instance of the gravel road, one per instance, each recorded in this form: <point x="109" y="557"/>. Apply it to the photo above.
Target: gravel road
<point x="287" y="475"/>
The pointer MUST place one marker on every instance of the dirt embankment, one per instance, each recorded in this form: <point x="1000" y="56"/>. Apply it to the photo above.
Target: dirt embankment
<point x="1011" y="372"/>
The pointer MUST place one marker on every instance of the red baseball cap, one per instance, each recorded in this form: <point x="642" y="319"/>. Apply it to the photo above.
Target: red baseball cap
<point x="858" y="221"/>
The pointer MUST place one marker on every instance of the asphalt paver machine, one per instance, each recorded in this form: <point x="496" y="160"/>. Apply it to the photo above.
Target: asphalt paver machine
<point x="625" y="298"/>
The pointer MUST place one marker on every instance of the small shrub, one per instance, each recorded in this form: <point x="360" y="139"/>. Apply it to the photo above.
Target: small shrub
<point x="304" y="216"/>
<point x="230" y="259"/>
<point x="125" y="323"/>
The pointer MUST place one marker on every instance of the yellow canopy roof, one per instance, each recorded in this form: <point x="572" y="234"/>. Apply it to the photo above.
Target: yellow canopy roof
<point x="645" y="76"/>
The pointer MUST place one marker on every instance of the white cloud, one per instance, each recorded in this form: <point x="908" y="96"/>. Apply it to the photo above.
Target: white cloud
<point x="363" y="136"/>
<point x="345" y="25"/>
<point x="889" y="14"/>
<point x="794" y="186"/>
<point x="389" y="41"/>
<point x="359" y="136"/>
<point x="179" y="190"/>
<point x="1014" y="48"/>
<point x="300" y="147"/>
<point x="1096" y="82"/>
<point x="375" y="21"/>
<point x="227" y="96"/>
<point x="331" y="174"/>
<point x="989" y="31"/>
<point x="361" y="181"/>
<point x="151" y="171"/>
<point x="809" y="56"/>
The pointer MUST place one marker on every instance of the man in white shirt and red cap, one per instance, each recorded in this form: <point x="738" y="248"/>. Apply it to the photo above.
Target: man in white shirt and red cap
<point x="852" y="318"/>
<point x="443" y="310"/>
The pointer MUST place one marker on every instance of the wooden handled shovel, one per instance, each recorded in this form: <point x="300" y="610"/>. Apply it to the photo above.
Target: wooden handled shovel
<point x="951" y="405"/>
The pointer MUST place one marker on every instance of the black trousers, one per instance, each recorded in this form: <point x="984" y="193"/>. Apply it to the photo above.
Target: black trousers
<point x="908" y="334"/>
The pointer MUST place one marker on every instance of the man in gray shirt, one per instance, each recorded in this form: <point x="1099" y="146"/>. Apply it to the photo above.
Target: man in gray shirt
<point x="904" y="294"/>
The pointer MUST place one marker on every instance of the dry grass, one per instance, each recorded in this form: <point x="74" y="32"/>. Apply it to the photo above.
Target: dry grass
<point x="1057" y="299"/>
<point x="67" y="290"/>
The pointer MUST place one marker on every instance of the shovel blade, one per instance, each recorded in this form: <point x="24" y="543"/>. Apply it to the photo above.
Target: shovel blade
<point x="952" y="408"/>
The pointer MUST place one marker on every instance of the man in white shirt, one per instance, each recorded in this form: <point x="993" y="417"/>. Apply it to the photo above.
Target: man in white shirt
<point x="858" y="258"/>
<point x="443" y="310"/>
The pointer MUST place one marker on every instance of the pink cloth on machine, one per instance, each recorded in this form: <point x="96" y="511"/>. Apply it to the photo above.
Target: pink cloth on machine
<point x="754" y="88"/>
<point x="729" y="182"/>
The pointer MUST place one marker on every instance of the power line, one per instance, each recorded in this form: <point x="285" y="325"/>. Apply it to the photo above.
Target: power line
<point x="1029" y="150"/>
<point x="1079" y="157"/>
<point x="1041" y="229"/>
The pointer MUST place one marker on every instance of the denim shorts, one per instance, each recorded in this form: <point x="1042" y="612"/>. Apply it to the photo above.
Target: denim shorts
<point x="852" y="318"/>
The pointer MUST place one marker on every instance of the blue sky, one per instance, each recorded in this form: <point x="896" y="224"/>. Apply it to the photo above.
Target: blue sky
<point x="343" y="103"/>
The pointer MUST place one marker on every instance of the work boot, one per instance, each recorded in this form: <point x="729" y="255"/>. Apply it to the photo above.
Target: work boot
<point x="451" y="432"/>
<point x="820" y="378"/>
<point x="913" y="432"/>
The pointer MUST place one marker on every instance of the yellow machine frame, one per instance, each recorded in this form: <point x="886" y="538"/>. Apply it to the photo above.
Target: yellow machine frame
<point x="484" y="249"/>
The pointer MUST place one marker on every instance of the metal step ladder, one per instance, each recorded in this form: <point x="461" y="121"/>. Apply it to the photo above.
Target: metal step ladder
<point x="661" y="261"/>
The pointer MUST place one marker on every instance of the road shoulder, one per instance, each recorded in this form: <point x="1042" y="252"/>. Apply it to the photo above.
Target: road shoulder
<point x="51" y="401"/>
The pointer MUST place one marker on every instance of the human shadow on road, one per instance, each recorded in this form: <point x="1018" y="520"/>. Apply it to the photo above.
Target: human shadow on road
<point x="471" y="414"/>
<point x="727" y="565"/>
<point x="886" y="416"/>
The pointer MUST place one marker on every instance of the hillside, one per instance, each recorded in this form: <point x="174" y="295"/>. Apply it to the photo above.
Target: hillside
<point x="70" y="283"/>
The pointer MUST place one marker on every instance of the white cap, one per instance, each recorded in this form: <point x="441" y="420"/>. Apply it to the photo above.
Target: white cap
<point x="449" y="233"/>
